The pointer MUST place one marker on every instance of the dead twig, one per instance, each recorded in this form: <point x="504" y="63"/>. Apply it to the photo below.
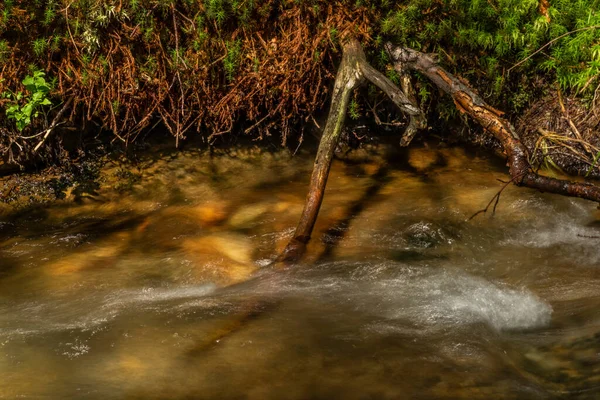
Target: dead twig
<point x="496" y="197"/>
<point x="54" y="123"/>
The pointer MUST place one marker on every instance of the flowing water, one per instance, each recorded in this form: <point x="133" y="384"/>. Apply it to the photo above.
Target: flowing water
<point x="163" y="290"/>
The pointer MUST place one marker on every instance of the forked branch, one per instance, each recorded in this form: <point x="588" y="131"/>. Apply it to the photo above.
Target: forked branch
<point x="352" y="72"/>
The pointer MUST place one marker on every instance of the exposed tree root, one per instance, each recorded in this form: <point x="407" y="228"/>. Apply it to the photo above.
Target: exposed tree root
<point x="468" y="102"/>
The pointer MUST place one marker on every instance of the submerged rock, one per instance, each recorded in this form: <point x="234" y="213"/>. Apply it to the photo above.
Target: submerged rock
<point x="570" y="364"/>
<point x="210" y="214"/>
<point x="93" y="255"/>
<point x="425" y="235"/>
<point x="248" y="215"/>
<point x="222" y="258"/>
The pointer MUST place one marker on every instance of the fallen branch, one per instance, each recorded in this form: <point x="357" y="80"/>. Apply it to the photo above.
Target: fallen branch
<point x="347" y="79"/>
<point x="352" y="72"/>
<point x="415" y="122"/>
<point x="468" y="102"/>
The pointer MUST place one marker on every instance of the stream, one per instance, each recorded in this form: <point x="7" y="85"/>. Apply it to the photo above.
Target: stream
<point x="164" y="291"/>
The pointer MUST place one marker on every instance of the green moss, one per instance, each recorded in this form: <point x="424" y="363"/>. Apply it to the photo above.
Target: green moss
<point x="232" y="59"/>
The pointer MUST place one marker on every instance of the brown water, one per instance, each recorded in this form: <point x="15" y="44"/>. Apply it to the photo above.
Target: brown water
<point x="160" y="292"/>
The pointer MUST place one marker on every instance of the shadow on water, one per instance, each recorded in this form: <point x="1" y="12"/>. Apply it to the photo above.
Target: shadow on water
<point x="335" y="233"/>
<point x="393" y="159"/>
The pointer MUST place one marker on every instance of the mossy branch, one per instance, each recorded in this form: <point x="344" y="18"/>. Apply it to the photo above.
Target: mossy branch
<point x="353" y="70"/>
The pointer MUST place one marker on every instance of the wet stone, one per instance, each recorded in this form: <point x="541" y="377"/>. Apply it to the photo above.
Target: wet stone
<point x="221" y="258"/>
<point x="426" y="235"/>
<point x="422" y="159"/>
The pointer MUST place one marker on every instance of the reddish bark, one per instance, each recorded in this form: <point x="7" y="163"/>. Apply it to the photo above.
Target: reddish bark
<point x="468" y="102"/>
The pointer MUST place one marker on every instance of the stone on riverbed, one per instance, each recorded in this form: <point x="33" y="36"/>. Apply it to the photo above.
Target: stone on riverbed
<point x="422" y="159"/>
<point x="220" y="258"/>
<point x="91" y="255"/>
<point x="248" y="215"/>
<point x="210" y="214"/>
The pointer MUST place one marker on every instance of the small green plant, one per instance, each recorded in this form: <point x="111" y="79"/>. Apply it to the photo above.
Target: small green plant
<point x="215" y="9"/>
<point x="55" y="46"/>
<point x="232" y="59"/>
<point x="25" y="106"/>
<point x="334" y="35"/>
<point x="393" y="76"/>
<point x="594" y="162"/>
<point x="39" y="46"/>
<point x="4" y="50"/>
<point x="424" y="94"/>
<point x="353" y="110"/>
<point x="49" y="15"/>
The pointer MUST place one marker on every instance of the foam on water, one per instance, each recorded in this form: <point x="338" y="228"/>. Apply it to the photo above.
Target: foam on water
<point x="564" y="231"/>
<point x="428" y="297"/>
<point x="414" y="296"/>
<point x="570" y="231"/>
<point x="149" y="295"/>
<point x="88" y="312"/>
<point x="455" y="298"/>
<point x="422" y="296"/>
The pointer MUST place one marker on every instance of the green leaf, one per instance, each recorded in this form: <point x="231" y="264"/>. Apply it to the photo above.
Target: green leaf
<point x="11" y="111"/>
<point x="21" y="125"/>
<point x="28" y="81"/>
<point x="27" y="110"/>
